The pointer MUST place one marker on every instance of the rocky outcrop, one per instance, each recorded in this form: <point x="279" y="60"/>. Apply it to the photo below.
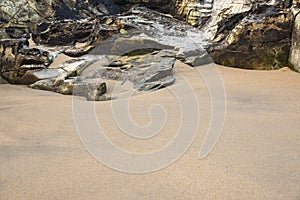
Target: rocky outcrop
<point x="257" y="39"/>
<point x="120" y="41"/>
<point x="244" y="34"/>
<point x="135" y="44"/>
<point x="136" y="50"/>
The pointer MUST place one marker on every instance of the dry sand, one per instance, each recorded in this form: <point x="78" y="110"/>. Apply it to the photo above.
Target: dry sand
<point x="257" y="156"/>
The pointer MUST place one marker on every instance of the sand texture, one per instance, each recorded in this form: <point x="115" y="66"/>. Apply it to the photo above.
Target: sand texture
<point x="256" y="157"/>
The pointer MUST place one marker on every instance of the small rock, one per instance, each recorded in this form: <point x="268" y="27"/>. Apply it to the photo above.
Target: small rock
<point x="196" y="58"/>
<point x="95" y="91"/>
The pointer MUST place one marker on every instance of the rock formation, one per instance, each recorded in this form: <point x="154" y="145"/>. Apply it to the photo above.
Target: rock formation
<point x="140" y="44"/>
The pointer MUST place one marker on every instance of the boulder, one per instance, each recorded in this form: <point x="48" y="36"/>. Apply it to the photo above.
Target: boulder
<point x="196" y="58"/>
<point x="257" y="39"/>
<point x="152" y="71"/>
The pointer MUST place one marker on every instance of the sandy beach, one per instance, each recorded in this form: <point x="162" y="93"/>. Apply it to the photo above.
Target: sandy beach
<point x="256" y="157"/>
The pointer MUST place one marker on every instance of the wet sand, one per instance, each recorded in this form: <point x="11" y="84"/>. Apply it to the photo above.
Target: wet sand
<point x="256" y="157"/>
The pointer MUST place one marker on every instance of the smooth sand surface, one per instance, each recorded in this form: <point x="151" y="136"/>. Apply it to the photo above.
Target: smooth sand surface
<point x="257" y="156"/>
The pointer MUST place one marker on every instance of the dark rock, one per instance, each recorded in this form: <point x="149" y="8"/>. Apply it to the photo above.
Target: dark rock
<point x="18" y="62"/>
<point x="27" y="56"/>
<point x="64" y="32"/>
<point x="93" y="8"/>
<point x="68" y="32"/>
<point x="258" y="39"/>
<point x="64" y="9"/>
<point x="163" y="6"/>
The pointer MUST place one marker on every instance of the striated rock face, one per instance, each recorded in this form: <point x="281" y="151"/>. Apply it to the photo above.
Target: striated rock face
<point x="257" y="39"/>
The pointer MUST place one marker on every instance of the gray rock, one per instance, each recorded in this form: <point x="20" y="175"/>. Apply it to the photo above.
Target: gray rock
<point x="95" y="91"/>
<point x="154" y="69"/>
<point x="196" y="58"/>
<point x="155" y="85"/>
<point x="48" y="73"/>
